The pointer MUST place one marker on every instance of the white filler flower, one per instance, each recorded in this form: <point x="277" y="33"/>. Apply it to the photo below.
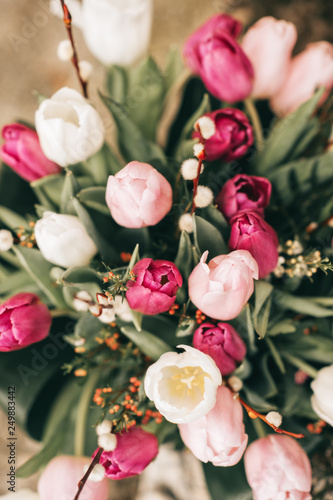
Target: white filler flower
<point x="183" y="386"/>
<point x="322" y="399"/>
<point x="69" y="129"/>
<point x="63" y="240"/>
<point x="6" y="240"/>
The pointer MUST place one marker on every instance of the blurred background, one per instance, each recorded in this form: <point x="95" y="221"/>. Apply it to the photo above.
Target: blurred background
<point x="29" y="36"/>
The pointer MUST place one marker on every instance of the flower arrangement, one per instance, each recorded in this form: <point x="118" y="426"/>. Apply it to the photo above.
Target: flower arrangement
<point x="188" y="270"/>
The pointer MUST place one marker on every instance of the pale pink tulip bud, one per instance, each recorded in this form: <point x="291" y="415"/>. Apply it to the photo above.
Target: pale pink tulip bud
<point x="221" y="288"/>
<point x="60" y="478"/>
<point x="277" y="467"/>
<point x="138" y="195"/>
<point x="218" y="437"/>
<point x="269" y="44"/>
<point x="309" y="70"/>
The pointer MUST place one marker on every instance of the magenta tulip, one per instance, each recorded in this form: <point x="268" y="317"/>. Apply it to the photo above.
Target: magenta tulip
<point x="269" y="44"/>
<point x="135" y="450"/>
<point x="308" y="71"/>
<point x="221" y="288"/>
<point x="233" y="135"/>
<point x="250" y="232"/>
<point x="155" y="286"/>
<point x="138" y="195"/>
<point x="59" y="480"/>
<point x="22" y="152"/>
<point x="218" y="437"/>
<point x="213" y="53"/>
<point x="244" y="193"/>
<point x="24" y="320"/>
<point x="222" y="343"/>
<point x="277" y="467"/>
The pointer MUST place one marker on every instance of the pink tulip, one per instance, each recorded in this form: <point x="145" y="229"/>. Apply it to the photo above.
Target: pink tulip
<point x="309" y="70"/>
<point x="59" y="480"/>
<point x="24" y="320"/>
<point x="218" y="437"/>
<point x="277" y="467"/>
<point x="213" y="53"/>
<point x="22" y="152"/>
<point x="138" y="195"/>
<point x="244" y="193"/>
<point x="221" y="288"/>
<point x="155" y="286"/>
<point x="250" y="232"/>
<point x="233" y="135"/>
<point x="269" y="44"/>
<point x="135" y="450"/>
<point x="222" y="343"/>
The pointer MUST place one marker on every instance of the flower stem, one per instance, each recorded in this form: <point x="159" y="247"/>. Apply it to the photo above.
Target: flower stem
<point x="195" y="186"/>
<point x="82" y="413"/>
<point x="256" y="123"/>
<point x="254" y="414"/>
<point x="83" y="481"/>
<point x="75" y="60"/>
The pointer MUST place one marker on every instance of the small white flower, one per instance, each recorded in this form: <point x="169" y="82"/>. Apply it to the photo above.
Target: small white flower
<point x="65" y="50"/>
<point x="97" y="474"/>
<point x="322" y="398"/>
<point x="186" y="223"/>
<point x="198" y="149"/>
<point x="63" y="240"/>
<point x="189" y="169"/>
<point x="206" y="126"/>
<point x="102" y="299"/>
<point x="81" y="301"/>
<point x="107" y="441"/>
<point x="85" y="69"/>
<point x="274" y="418"/>
<point x="204" y="197"/>
<point x="183" y="386"/>
<point x="235" y="383"/>
<point x="104" y="427"/>
<point x="107" y="316"/>
<point x="95" y="309"/>
<point x="6" y="240"/>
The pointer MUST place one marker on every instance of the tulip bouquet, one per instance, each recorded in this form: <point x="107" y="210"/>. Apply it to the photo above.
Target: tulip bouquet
<point x="186" y="274"/>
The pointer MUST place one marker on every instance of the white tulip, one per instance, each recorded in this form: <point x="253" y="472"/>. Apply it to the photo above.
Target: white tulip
<point x="322" y="399"/>
<point x="63" y="240"/>
<point x="21" y="495"/>
<point x="69" y="129"/>
<point x="183" y="386"/>
<point x="117" y="31"/>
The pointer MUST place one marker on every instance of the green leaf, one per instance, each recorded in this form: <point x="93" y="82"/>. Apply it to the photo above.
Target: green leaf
<point x="263" y="318"/>
<point x="276" y="355"/>
<point x="132" y="143"/>
<point x="117" y="83"/>
<point x="227" y="483"/>
<point x="258" y="402"/>
<point x="300" y="177"/>
<point x="134" y="259"/>
<point x="207" y="237"/>
<point x="94" y="197"/>
<point x="76" y="275"/>
<point x="148" y="343"/>
<point x="87" y="327"/>
<point x="183" y="259"/>
<point x="69" y="190"/>
<point x="312" y="347"/>
<point x="287" y="134"/>
<point x="301" y="305"/>
<point x="283" y="327"/>
<point x="146" y="80"/>
<point x="48" y="190"/>
<point x="12" y="219"/>
<point x="106" y="250"/>
<point x="102" y="164"/>
<point x="263" y="291"/>
<point x="16" y="280"/>
<point x="49" y="451"/>
<point x="39" y="270"/>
